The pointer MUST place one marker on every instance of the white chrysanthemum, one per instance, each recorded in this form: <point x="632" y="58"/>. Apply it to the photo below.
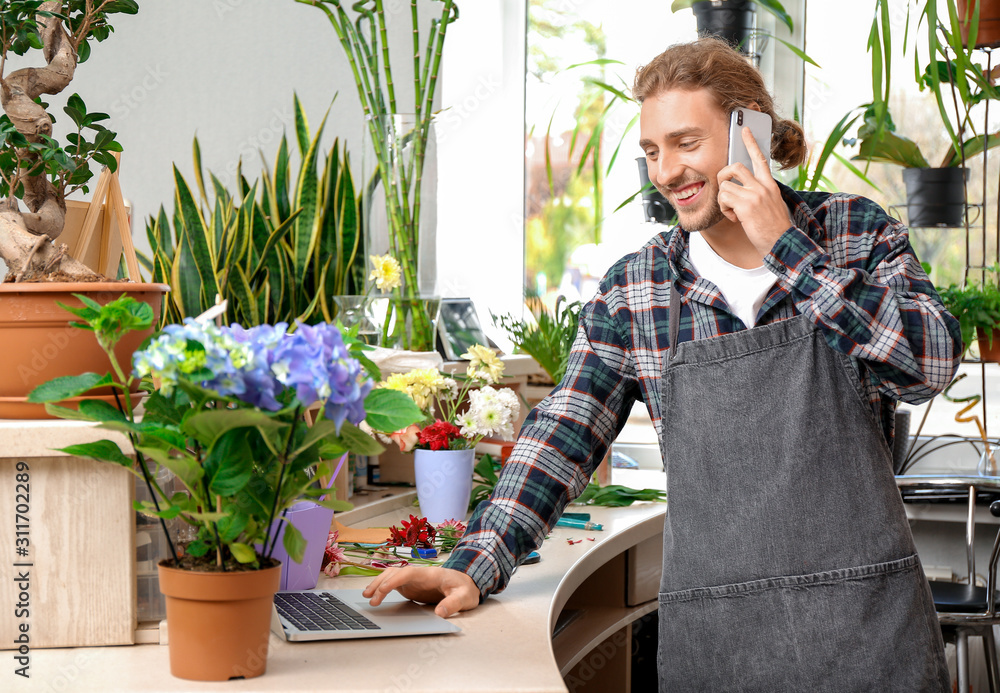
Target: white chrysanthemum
<point x="468" y="425"/>
<point x="493" y="412"/>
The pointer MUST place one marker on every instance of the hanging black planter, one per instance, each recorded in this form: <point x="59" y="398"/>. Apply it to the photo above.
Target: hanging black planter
<point x="730" y="20"/>
<point x="935" y="196"/>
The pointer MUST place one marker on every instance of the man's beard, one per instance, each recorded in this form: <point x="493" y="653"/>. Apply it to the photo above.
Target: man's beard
<point x="703" y="219"/>
<point x="708" y="215"/>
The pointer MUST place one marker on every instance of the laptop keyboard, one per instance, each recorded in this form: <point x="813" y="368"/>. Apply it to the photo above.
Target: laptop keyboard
<point x="319" y="611"/>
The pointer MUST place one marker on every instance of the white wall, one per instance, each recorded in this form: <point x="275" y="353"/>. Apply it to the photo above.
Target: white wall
<point x="481" y="179"/>
<point x="227" y="70"/>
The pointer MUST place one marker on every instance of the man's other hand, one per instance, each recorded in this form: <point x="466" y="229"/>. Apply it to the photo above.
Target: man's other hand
<point x="451" y="590"/>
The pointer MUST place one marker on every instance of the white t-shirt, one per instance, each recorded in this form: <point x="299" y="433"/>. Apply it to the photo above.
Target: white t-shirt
<point x="743" y="289"/>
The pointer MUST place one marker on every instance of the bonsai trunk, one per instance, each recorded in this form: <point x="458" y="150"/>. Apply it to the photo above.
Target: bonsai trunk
<point x="26" y="237"/>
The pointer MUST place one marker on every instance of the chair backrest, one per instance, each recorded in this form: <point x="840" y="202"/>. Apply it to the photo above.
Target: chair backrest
<point x="915" y="487"/>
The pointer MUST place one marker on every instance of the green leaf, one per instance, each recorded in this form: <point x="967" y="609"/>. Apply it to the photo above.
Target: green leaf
<point x="197" y="548"/>
<point x="242" y="552"/>
<point x="231" y="526"/>
<point x="67" y="386"/>
<point x="104" y="450"/>
<point x="208" y="426"/>
<point x="321" y="429"/>
<point x="197" y="236"/>
<point x="309" y="223"/>
<point x="185" y="467"/>
<point x="229" y="464"/>
<point x="892" y="149"/>
<point x="148" y="508"/>
<point x="301" y="128"/>
<point x="776" y="8"/>
<point x="294" y="542"/>
<point x="161" y="409"/>
<point x="359" y="442"/>
<point x="390" y="410"/>
<point x="99" y="410"/>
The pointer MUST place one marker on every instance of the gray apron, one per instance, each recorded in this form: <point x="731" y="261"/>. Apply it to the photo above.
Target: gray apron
<point x="788" y="563"/>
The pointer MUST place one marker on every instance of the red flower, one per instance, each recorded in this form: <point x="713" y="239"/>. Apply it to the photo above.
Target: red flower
<point x="417" y="532"/>
<point x="438" y="435"/>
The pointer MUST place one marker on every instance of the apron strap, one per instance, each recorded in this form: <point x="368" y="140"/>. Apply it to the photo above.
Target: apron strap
<point x="675" y="318"/>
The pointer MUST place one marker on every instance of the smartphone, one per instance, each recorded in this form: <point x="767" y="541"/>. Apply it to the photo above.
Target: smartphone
<point x="760" y="127"/>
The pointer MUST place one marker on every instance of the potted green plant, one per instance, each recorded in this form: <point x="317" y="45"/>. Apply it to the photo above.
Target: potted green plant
<point x="225" y="414"/>
<point x="276" y="250"/>
<point x="458" y="413"/>
<point x="398" y="155"/>
<point x="976" y="305"/>
<point x="547" y="337"/>
<point x="936" y="195"/>
<point x="37" y="173"/>
<point x="731" y="20"/>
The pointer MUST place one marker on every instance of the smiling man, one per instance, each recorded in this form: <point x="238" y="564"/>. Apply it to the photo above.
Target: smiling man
<point x="770" y="335"/>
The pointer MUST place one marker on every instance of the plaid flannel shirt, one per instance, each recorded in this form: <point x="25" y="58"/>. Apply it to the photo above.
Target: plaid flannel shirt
<point x="845" y="263"/>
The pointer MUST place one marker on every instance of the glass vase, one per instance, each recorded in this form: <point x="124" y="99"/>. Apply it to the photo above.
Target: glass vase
<point x="399" y="202"/>
<point x="356" y="310"/>
<point x="407" y="322"/>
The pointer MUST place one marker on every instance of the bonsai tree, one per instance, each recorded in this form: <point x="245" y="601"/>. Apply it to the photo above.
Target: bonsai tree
<point x="36" y="172"/>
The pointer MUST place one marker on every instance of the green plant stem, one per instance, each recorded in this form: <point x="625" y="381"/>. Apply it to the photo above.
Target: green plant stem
<point x="283" y="462"/>
<point x="147" y="477"/>
<point x="384" y="40"/>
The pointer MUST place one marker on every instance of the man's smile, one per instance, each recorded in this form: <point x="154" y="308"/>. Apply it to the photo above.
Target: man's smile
<point x="687" y="194"/>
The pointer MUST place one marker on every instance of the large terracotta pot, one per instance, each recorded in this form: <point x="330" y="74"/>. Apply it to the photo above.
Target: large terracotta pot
<point x="218" y="624"/>
<point x="38" y="343"/>
<point x="988" y="35"/>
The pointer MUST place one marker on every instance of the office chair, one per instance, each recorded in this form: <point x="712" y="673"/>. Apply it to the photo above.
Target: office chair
<point x="964" y="609"/>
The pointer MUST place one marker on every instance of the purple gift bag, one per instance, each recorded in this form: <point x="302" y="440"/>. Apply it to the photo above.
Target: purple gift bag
<point x="313" y="521"/>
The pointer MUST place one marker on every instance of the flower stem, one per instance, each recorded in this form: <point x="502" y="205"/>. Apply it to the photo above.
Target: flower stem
<point x="281" y="480"/>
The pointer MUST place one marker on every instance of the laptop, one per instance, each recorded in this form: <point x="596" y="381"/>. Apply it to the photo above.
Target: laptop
<point x="342" y="614"/>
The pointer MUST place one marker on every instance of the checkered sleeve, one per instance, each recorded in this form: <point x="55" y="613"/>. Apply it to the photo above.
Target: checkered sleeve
<point x="868" y="293"/>
<point x="562" y="441"/>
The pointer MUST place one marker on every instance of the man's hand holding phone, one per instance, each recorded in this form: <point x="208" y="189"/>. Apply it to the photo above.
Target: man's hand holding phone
<point x="752" y="198"/>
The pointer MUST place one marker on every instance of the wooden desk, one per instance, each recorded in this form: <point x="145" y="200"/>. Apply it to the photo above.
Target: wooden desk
<point x="505" y="644"/>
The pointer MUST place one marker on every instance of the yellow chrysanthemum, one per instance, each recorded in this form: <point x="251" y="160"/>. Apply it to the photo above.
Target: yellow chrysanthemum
<point x="484" y="364"/>
<point x="423" y="385"/>
<point x="386" y="272"/>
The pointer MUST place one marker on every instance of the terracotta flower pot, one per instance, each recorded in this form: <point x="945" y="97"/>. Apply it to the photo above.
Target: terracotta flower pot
<point x="989" y="349"/>
<point x="39" y="344"/>
<point x="988" y="35"/>
<point x="218" y="623"/>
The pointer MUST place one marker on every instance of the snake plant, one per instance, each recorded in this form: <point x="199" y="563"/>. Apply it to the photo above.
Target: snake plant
<point x="278" y="250"/>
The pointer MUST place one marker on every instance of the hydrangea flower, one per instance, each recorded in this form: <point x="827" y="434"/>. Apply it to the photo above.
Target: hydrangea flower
<point x="257" y="365"/>
<point x="315" y="362"/>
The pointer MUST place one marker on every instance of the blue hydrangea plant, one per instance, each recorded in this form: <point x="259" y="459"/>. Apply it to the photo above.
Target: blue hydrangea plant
<point x="226" y="414"/>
